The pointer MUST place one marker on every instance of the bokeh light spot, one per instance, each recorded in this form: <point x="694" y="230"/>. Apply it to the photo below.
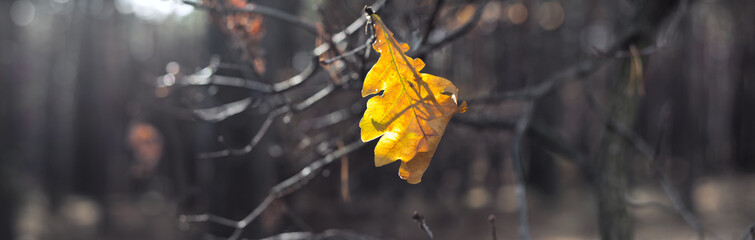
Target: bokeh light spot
<point x="465" y="14"/>
<point x="153" y="10"/>
<point x="517" y="13"/>
<point x="550" y="15"/>
<point x="172" y="68"/>
<point x="22" y="12"/>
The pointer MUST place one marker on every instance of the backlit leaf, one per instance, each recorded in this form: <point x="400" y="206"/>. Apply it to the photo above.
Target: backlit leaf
<point x="411" y="113"/>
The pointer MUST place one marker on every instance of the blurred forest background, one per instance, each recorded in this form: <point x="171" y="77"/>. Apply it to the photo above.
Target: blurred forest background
<point x="638" y="119"/>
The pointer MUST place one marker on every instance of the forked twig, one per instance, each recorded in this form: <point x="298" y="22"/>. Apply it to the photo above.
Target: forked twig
<point x="249" y="147"/>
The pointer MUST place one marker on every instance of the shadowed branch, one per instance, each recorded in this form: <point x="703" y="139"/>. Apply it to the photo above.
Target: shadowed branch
<point x="516" y="163"/>
<point x="280" y="190"/>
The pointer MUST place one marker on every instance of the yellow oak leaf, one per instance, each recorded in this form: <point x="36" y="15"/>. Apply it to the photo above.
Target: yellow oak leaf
<point x="411" y="113"/>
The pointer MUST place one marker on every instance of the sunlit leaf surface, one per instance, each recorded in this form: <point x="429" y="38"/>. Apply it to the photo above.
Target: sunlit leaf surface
<point x="412" y="110"/>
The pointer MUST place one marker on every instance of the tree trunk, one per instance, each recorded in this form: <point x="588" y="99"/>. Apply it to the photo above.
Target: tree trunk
<point x="612" y="163"/>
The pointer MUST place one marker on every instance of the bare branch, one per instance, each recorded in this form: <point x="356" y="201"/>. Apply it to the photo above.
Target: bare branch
<point x="315" y="97"/>
<point x="220" y="113"/>
<point x="546" y="86"/>
<point x="208" y="76"/>
<point x="335" y="117"/>
<point x="305" y="74"/>
<point x="516" y="155"/>
<point x="291" y="236"/>
<point x="349" y="53"/>
<point x="208" y="217"/>
<point x="280" y="190"/>
<point x="199" y="79"/>
<point x="246" y="149"/>
<point x="311" y="100"/>
<point x="422" y="224"/>
<point x="352" y="28"/>
<point x="221" y="80"/>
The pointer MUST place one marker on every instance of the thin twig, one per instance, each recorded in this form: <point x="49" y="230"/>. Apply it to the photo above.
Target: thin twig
<point x="491" y="220"/>
<point x="298" y="79"/>
<point x="208" y="218"/>
<point x="291" y="236"/>
<point x="546" y="86"/>
<point x="221" y="112"/>
<point x="224" y="111"/>
<point x="311" y="100"/>
<point x="319" y="95"/>
<point x="208" y="75"/>
<point x="280" y="190"/>
<point x="334" y="117"/>
<point x="249" y="147"/>
<point x="349" y="53"/>
<point x="516" y="155"/>
<point x="420" y="219"/>
<point x="326" y="37"/>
